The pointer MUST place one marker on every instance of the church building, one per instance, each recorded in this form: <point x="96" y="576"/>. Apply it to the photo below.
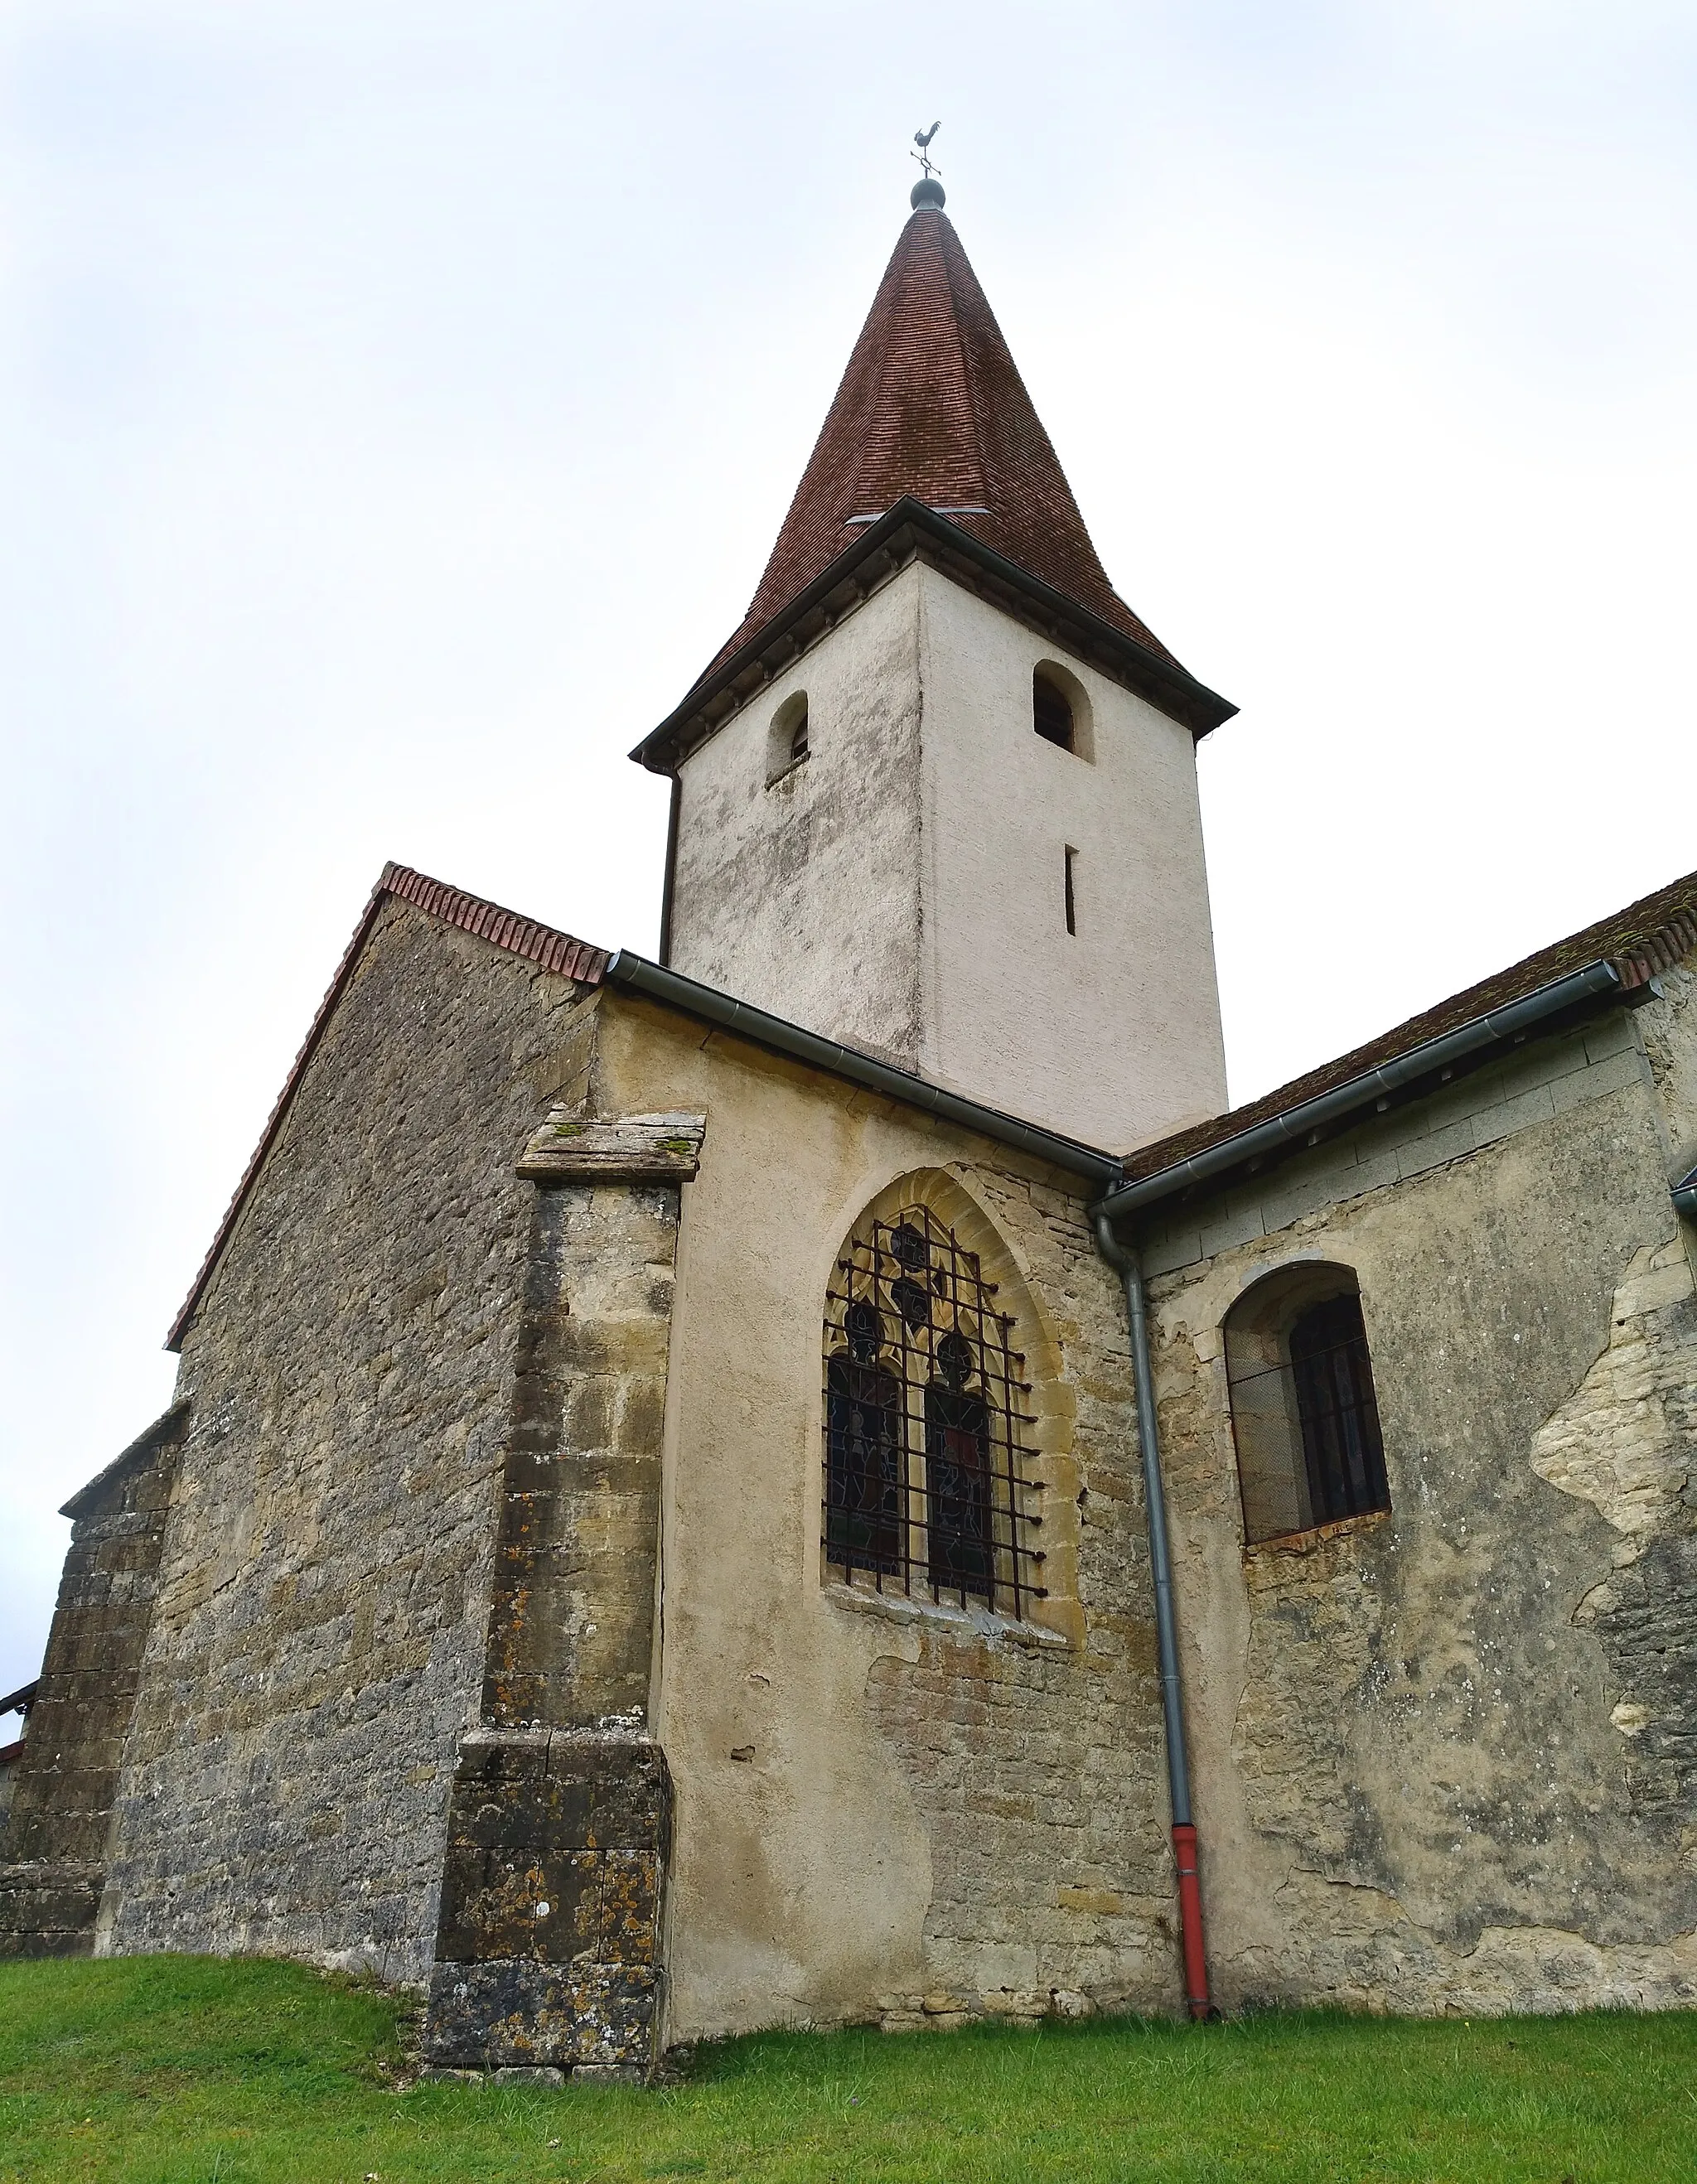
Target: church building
<point x="828" y="1478"/>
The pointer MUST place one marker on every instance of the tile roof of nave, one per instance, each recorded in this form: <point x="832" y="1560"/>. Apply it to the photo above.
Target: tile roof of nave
<point x="1644" y="939"/>
<point x="932" y="405"/>
<point x="1647" y="938"/>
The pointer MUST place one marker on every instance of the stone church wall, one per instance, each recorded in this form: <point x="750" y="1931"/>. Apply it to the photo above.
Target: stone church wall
<point x="317" y="1646"/>
<point x="1444" y="1754"/>
<point x="797" y="886"/>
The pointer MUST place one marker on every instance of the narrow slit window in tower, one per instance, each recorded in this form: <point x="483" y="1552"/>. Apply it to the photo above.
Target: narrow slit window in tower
<point x="1069" y="884"/>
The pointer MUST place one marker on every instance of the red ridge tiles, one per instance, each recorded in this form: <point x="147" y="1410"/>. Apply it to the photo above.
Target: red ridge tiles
<point x="519" y="936"/>
<point x="932" y="404"/>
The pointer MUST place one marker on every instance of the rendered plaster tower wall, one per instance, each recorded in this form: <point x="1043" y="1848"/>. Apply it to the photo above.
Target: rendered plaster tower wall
<point x="797" y="887"/>
<point x="903" y="887"/>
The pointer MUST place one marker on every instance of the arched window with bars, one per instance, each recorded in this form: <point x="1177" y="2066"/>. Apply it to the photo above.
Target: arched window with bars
<point x="928" y="1451"/>
<point x="1304" y="1412"/>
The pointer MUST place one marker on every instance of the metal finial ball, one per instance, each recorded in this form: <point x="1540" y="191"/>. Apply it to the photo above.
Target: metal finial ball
<point x="928" y="191"/>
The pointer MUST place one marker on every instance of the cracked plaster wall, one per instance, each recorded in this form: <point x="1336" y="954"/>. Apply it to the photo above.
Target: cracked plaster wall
<point x="887" y="1812"/>
<point x="1444" y="1755"/>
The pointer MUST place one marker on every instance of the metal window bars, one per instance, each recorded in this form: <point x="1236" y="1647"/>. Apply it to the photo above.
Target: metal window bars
<point x="924" y="1488"/>
<point x="1338" y="1410"/>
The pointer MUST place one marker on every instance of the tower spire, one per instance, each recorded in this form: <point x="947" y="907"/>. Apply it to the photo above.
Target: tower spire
<point x="932" y="405"/>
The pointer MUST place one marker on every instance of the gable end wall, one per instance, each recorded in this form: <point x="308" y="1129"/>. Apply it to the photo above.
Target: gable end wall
<point x="318" y="1643"/>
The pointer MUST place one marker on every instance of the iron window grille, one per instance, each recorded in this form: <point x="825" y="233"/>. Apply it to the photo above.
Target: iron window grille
<point x="1330" y="1373"/>
<point x="1339" y="1414"/>
<point x="926" y="1477"/>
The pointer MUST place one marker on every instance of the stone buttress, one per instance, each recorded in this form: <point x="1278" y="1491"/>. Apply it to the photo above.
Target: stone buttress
<point x="53" y="1846"/>
<point x="548" y="1946"/>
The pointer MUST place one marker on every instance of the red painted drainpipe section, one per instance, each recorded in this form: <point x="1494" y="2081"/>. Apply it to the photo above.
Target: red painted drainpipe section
<point x="1190" y="1920"/>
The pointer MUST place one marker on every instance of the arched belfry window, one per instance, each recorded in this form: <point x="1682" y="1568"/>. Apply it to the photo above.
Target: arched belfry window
<point x="1304" y="1411"/>
<point x="927" y="1461"/>
<point x="1060" y="709"/>
<point x="1052" y="711"/>
<point x="786" y="741"/>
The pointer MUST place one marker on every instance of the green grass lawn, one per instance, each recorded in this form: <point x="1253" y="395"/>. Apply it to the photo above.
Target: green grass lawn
<point x="200" y="2071"/>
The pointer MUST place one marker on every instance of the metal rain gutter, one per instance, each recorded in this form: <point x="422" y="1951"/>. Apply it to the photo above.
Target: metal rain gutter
<point x="1294" y="1123"/>
<point x="637" y="974"/>
<point x="1124" y="1264"/>
<point x="1685" y="1196"/>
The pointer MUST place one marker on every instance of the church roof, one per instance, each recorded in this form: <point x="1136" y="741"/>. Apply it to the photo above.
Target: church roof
<point x="932" y="449"/>
<point x="1647" y="936"/>
<point x="932" y="406"/>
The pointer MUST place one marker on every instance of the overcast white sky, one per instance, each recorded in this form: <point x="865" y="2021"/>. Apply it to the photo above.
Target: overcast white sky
<point x="399" y="402"/>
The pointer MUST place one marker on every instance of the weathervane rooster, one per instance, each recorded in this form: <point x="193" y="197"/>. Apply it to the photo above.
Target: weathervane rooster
<point x="922" y="138"/>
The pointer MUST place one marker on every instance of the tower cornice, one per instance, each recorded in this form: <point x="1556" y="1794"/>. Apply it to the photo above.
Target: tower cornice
<point x="907" y="533"/>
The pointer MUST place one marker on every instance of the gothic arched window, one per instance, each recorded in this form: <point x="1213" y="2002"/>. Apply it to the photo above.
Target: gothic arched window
<point x="962" y="1550"/>
<point x="926" y="1472"/>
<point x="1303" y="1410"/>
<point x="864" y="1439"/>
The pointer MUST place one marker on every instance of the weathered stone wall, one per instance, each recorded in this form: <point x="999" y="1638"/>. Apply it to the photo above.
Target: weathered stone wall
<point x="1443" y="1754"/>
<point x="53" y="1845"/>
<point x="1667" y="1028"/>
<point x="802" y="893"/>
<point x="1034" y="1756"/>
<point x="318" y="1641"/>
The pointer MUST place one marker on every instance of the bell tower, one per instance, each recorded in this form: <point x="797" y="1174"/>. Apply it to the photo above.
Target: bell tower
<point x="936" y="797"/>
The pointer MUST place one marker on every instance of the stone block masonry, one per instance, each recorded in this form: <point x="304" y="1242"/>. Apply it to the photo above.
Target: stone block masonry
<point x="547" y="1953"/>
<point x="53" y="1848"/>
<point x="318" y="1643"/>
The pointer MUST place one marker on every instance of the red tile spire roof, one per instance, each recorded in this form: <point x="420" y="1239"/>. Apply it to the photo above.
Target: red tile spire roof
<point x="932" y="404"/>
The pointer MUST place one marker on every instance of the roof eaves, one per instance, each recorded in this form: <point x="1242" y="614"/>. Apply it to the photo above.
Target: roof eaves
<point x="743" y="1019"/>
<point x="1639" y="942"/>
<point x="1292" y="1128"/>
<point x="542" y="944"/>
<point x="885" y="547"/>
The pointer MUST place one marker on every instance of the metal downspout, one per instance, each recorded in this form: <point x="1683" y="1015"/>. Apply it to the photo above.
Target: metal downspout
<point x="1126" y="1265"/>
